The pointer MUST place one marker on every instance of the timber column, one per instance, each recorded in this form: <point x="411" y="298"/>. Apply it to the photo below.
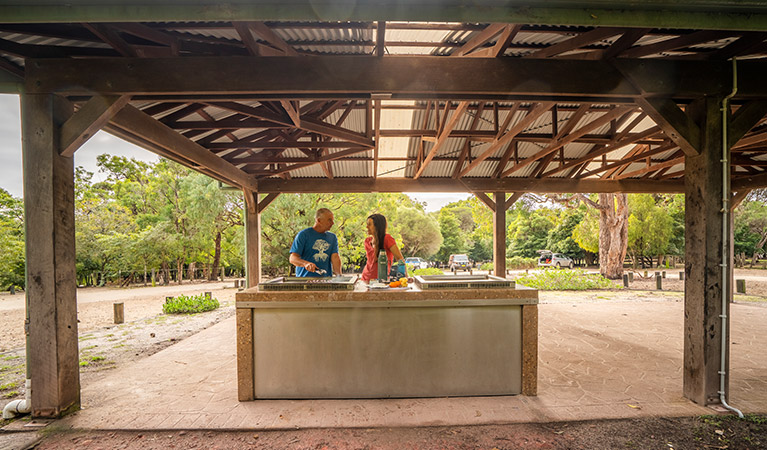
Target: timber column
<point x="252" y="238"/>
<point x="703" y="259"/>
<point x="50" y="250"/>
<point x="499" y="234"/>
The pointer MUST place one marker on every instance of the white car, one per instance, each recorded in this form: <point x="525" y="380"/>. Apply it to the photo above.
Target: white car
<point x="416" y="262"/>
<point x="557" y="260"/>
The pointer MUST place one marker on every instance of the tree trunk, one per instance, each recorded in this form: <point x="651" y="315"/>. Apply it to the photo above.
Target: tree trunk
<point x="190" y="270"/>
<point x="166" y="273"/>
<point x="613" y="234"/>
<point x="216" y="258"/>
<point x="179" y="270"/>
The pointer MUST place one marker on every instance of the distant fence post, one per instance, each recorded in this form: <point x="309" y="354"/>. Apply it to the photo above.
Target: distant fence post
<point x="658" y="281"/>
<point x="681" y="276"/>
<point x="631" y="277"/>
<point x="740" y="286"/>
<point x="625" y="280"/>
<point x="119" y="313"/>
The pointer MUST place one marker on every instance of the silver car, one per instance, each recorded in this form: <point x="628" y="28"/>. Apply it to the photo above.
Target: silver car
<point x="416" y="262"/>
<point x="557" y="260"/>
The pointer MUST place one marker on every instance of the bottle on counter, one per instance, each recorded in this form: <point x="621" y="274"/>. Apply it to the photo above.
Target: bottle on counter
<point x="382" y="266"/>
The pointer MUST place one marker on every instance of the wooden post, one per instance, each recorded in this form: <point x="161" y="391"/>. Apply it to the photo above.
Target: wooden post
<point x="50" y="255"/>
<point x="499" y="233"/>
<point x="631" y="277"/>
<point x="625" y="280"/>
<point x="681" y="276"/>
<point x="119" y="313"/>
<point x="663" y="274"/>
<point x="252" y="239"/>
<point x="530" y="350"/>
<point x="703" y="259"/>
<point x="658" y="281"/>
<point x="741" y="286"/>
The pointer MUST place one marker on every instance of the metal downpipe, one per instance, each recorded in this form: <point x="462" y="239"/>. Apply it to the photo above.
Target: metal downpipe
<point x="726" y="236"/>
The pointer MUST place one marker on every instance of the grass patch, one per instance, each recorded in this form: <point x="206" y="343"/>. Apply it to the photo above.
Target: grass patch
<point x="90" y="347"/>
<point x="11" y="394"/>
<point x="86" y="337"/>
<point x="11" y="385"/>
<point x="189" y="304"/>
<point x="11" y="357"/>
<point x="749" y="298"/>
<point x="428" y="271"/>
<point x="97" y="358"/>
<point x="565" y="280"/>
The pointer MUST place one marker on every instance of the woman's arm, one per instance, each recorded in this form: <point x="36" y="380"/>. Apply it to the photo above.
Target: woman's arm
<point x="395" y="251"/>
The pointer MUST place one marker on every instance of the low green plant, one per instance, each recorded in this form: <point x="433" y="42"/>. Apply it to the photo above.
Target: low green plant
<point x="11" y="394"/>
<point x="428" y="271"/>
<point x="97" y="358"/>
<point x="11" y="385"/>
<point x="184" y="304"/>
<point x="565" y="280"/>
<point x="487" y="266"/>
<point x="520" y="263"/>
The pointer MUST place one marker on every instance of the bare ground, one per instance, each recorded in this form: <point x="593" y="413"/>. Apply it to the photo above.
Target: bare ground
<point x="721" y="432"/>
<point x="147" y="330"/>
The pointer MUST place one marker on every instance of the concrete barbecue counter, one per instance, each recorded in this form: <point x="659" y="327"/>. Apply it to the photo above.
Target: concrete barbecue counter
<point x="386" y="343"/>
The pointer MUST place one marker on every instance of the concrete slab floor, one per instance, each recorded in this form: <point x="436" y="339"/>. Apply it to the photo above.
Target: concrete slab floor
<point x="597" y="360"/>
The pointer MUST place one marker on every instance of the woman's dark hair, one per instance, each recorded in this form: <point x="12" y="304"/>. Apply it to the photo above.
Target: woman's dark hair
<point x="379" y="222"/>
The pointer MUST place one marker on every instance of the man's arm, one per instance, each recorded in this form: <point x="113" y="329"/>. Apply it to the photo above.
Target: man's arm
<point x="335" y="260"/>
<point x="296" y="260"/>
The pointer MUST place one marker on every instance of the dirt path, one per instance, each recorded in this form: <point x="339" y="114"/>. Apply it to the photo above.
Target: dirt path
<point x="95" y="308"/>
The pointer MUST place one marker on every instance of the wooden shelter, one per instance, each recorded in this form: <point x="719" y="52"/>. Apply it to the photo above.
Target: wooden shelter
<point x="473" y="96"/>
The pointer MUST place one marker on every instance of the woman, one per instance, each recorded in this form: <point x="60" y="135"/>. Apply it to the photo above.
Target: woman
<point x="378" y="239"/>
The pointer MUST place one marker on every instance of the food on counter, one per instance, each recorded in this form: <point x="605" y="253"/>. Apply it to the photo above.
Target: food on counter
<point x="403" y="282"/>
<point x="395" y="284"/>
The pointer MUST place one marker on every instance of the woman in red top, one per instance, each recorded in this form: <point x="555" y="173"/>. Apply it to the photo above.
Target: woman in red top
<point x="378" y="239"/>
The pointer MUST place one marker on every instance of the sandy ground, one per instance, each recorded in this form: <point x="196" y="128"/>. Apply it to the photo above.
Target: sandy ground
<point x="95" y="310"/>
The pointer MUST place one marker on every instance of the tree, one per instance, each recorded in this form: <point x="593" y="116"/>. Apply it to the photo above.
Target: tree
<point x="420" y="233"/>
<point x="560" y="238"/>
<point x="751" y="228"/>
<point x="452" y="237"/>
<point x="529" y="232"/>
<point x="12" y="257"/>
<point x="650" y="227"/>
<point x="612" y="231"/>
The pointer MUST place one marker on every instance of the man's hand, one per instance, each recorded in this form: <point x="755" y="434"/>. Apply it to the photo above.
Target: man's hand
<point x="310" y="266"/>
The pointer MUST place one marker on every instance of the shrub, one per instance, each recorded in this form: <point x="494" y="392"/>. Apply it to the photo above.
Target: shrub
<point x="520" y="263"/>
<point x="566" y="280"/>
<point x="487" y="266"/>
<point x="428" y="271"/>
<point x="189" y="304"/>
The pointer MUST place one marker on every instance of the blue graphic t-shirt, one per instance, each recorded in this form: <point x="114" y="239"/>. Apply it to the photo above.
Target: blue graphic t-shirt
<point x="315" y="247"/>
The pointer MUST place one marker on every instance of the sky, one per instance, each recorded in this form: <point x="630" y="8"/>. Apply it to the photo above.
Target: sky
<point x="11" y="168"/>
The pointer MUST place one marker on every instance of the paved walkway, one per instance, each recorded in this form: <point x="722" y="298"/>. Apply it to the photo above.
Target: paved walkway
<point x="598" y="360"/>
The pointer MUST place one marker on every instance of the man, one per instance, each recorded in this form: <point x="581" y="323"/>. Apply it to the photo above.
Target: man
<point x="315" y="249"/>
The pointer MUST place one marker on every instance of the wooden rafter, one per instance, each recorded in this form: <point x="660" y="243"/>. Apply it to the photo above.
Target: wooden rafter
<point x="602" y="120"/>
<point x="377" y="126"/>
<point x="531" y="116"/>
<point x="651" y="168"/>
<point x="612" y="146"/>
<point x="484" y="198"/>
<point x="380" y="38"/>
<point x="576" y="42"/>
<point x="697" y="37"/>
<point x="449" y="125"/>
<point x="655" y="151"/>
<point x="675" y="123"/>
<point x="109" y="35"/>
<point x="87" y="121"/>
<point x="150" y="34"/>
<point x="467" y="145"/>
<point x="629" y="38"/>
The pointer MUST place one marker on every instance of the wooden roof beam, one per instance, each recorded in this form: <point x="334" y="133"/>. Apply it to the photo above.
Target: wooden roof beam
<point x="546" y="185"/>
<point x="576" y="42"/>
<point x="87" y="121"/>
<point x="602" y="120"/>
<point x="520" y="126"/>
<point x="676" y="123"/>
<point x="449" y="125"/>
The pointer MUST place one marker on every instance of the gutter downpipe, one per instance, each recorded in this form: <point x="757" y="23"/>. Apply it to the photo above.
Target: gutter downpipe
<point x="726" y="236"/>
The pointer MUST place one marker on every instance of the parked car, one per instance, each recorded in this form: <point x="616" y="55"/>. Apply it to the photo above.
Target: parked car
<point x="558" y="260"/>
<point x="416" y="262"/>
<point x="458" y="262"/>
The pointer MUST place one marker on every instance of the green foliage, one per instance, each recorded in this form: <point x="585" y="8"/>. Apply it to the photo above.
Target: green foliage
<point x="520" y="263"/>
<point x="586" y="233"/>
<point x="560" y="238"/>
<point x="750" y="227"/>
<point x="452" y="237"/>
<point x="529" y="232"/>
<point x="184" y="304"/>
<point x="428" y="271"/>
<point x="12" y="255"/>
<point x="487" y="266"/>
<point x="565" y="280"/>
<point x="419" y="232"/>
<point x="650" y="226"/>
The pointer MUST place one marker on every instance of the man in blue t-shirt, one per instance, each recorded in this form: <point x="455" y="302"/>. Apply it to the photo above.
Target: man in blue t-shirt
<point x="315" y="250"/>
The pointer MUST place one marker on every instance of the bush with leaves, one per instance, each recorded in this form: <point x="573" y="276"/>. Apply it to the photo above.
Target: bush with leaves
<point x="428" y="271"/>
<point x="184" y="304"/>
<point x="565" y="280"/>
